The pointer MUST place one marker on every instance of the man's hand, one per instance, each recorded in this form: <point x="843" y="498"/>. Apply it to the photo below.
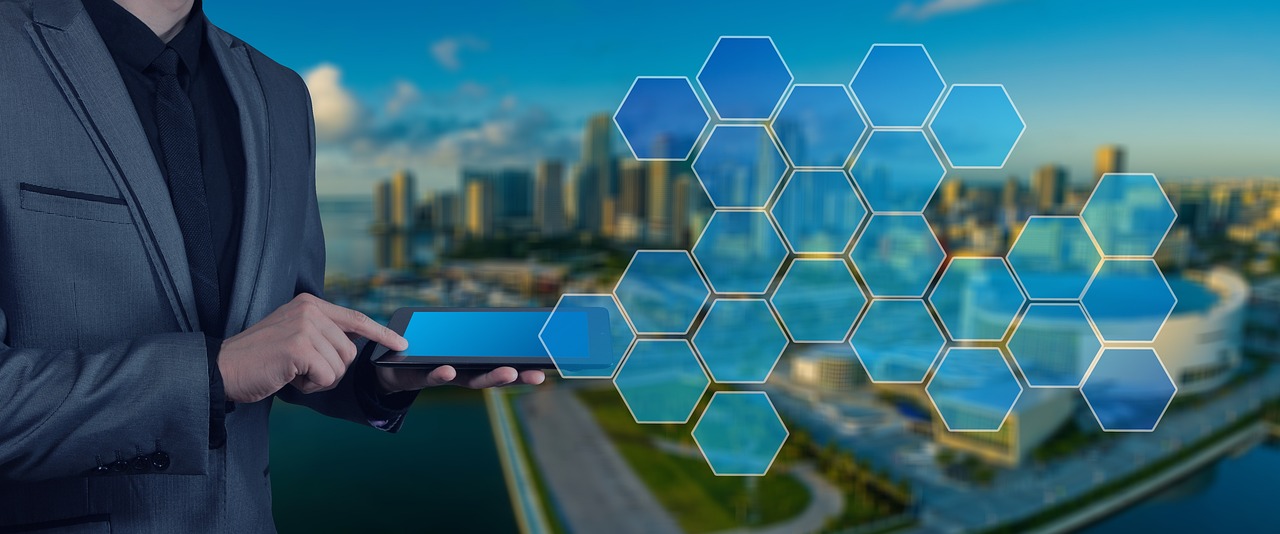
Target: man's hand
<point x="306" y="342"/>
<point x="396" y="380"/>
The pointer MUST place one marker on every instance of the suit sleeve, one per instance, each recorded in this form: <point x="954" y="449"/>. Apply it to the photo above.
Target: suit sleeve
<point x="65" y="412"/>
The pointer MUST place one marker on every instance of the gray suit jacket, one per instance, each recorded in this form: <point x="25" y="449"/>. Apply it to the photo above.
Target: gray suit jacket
<point x="101" y="353"/>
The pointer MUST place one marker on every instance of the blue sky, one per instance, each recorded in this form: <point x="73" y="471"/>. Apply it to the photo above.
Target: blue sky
<point x="1190" y="88"/>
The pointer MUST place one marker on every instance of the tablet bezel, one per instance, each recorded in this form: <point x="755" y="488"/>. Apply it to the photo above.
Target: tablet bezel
<point x="400" y="321"/>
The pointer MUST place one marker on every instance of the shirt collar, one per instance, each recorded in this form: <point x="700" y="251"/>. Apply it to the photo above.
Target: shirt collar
<point x="130" y="40"/>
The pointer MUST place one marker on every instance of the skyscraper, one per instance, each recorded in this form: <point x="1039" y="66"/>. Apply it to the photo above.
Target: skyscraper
<point x="658" y="207"/>
<point x="402" y="200"/>
<point x="478" y="208"/>
<point x="631" y="200"/>
<point x="595" y="179"/>
<point x="548" y="206"/>
<point x="1048" y="187"/>
<point x="1108" y="158"/>
<point x="681" y="211"/>
<point x="382" y="206"/>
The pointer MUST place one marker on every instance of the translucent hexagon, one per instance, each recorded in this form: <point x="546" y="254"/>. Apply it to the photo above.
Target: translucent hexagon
<point x="571" y="352"/>
<point x="740" y="433"/>
<point x="819" y="125"/>
<point x="897" y="170"/>
<point x="819" y="300"/>
<point x="744" y="77"/>
<point x="897" y="85"/>
<point x="977" y="126"/>
<point x="1054" y="257"/>
<point x="1129" y="214"/>
<point x="1054" y="344"/>
<point x="897" y="255"/>
<point x="974" y="389"/>
<point x="977" y="299"/>
<point x="661" y="118"/>
<point x="739" y="166"/>
<point x="897" y="341"/>
<point x="661" y="381"/>
<point x="739" y="251"/>
<point x="1128" y="390"/>
<point x="661" y="291"/>
<point x="818" y="211"/>
<point x="740" y="341"/>
<point x="1129" y="300"/>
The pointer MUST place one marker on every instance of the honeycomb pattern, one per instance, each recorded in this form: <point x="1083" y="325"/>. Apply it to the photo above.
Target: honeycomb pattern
<point x="831" y="182"/>
<point x="573" y="358"/>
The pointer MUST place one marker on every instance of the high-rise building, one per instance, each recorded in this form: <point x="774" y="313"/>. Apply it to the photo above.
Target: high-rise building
<point x="631" y="200"/>
<point x="444" y="212"/>
<point x="382" y="205"/>
<point x="1107" y="159"/>
<point x="403" y="200"/>
<point x="478" y="208"/>
<point x="548" y="207"/>
<point x="595" y="178"/>
<point x="659" y="205"/>
<point x="681" y="210"/>
<point x="1048" y="187"/>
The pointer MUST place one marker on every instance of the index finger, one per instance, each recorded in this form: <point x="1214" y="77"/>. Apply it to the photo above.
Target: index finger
<point x="354" y="322"/>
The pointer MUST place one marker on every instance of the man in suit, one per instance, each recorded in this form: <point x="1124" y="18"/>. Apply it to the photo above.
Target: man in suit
<point x="161" y="261"/>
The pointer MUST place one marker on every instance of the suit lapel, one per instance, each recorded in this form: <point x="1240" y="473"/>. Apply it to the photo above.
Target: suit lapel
<point x="87" y="75"/>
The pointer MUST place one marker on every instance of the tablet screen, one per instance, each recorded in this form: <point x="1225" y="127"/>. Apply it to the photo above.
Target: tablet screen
<point x="476" y="334"/>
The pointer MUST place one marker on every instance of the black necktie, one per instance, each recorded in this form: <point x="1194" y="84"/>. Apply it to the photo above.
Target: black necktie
<point x="180" y="145"/>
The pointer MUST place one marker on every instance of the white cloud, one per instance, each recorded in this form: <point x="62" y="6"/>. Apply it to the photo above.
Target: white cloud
<point x="406" y="95"/>
<point x="927" y="9"/>
<point x="337" y="112"/>
<point x="447" y="51"/>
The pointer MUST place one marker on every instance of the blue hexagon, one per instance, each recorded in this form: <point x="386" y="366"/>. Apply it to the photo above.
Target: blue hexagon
<point x="740" y="251"/>
<point x="819" y="300"/>
<point x="977" y="126"/>
<point x="740" y="341"/>
<point x="1129" y="300"/>
<point x="740" y="433"/>
<point x="1054" y="344"/>
<point x="572" y="352"/>
<point x="1128" y="390"/>
<point x="1054" y="258"/>
<point x="739" y="166"/>
<point x="897" y="255"/>
<point x="974" y="389"/>
<point x="897" y="170"/>
<point x="661" y="118"/>
<point x="661" y="381"/>
<point x="819" y="125"/>
<point x="744" y="77"/>
<point x="1129" y="214"/>
<point x="897" y="85"/>
<point x="818" y="211"/>
<point x="897" y="341"/>
<point x="977" y="299"/>
<point x="661" y="291"/>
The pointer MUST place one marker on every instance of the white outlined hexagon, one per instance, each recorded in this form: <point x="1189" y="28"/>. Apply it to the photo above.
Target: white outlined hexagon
<point x="1015" y="339"/>
<point x="868" y="275"/>
<point x="790" y="153"/>
<point x="712" y="350"/>
<point x="705" y="175"/>
<point x="627" y="140"/>
<point x="697" y="363"/>
<point x="782" y="204"/>
<point x="1026" y="273"/>
<point x="708" y="267"/>
<point x="614" y="368"/>
<point x="952" y="330"/>
<point x="712" y="101"/>
<point x="1093" y="410"/>
<point x="1101" y="321"/>
<point x="889" y="193"/>
<point x="942" y="106"/>
<point x="870" y="362"/>
<point x="1098" y="226"/>
<point x="630" y="314"/>
<point x="932" y="105"/>
<point x="747" y="396"/>
<point x="789" y="300"/>
<point x="969" y="385"/>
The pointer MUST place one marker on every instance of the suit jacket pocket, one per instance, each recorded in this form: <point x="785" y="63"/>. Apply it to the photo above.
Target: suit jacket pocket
<point x="75" y="204"/>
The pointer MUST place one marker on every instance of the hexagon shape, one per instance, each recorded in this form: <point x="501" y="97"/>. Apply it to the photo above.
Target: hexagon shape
<point x="977" y="126"/>
<point x="898" y="171"/>
<point x="744" y="77"/>
<point x="740" y="341"/>
<point x="661" y="291"/>
<point x="661" y="118"/>
<point x="739" y="166"/>
<point x="977" y="299"/>
<point x="897" y="255"/>
<point x="819" y="125"/>
<point x="1129" y="214"/>
<point x="897" y="341"/>
<point x="974" y="389"/>
<point x="1128" y="390"/>
<point x="819" y="300"/>
<point x="740" y="252"/>
<point x="1129" y="300"/>
<point x="1054" y="258"/>
<point x="740" y="433"/>
<point x="819" y="211"/>
<point x="661" y="381"/>
<point x="570" y="351"/>
<point x="897" y="85"/>
<point x="1054" y="344"/>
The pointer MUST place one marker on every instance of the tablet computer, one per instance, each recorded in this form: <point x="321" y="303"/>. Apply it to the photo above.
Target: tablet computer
<point x="488" y="338"/>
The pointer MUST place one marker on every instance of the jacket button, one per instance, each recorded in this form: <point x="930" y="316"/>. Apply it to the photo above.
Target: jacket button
<point x="119" y="466"/>
<point x="141" y="463"/>
<point x="160" y="460"/>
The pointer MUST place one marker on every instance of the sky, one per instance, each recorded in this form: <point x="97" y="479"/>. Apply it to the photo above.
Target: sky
<point x="1188" y="87"/>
